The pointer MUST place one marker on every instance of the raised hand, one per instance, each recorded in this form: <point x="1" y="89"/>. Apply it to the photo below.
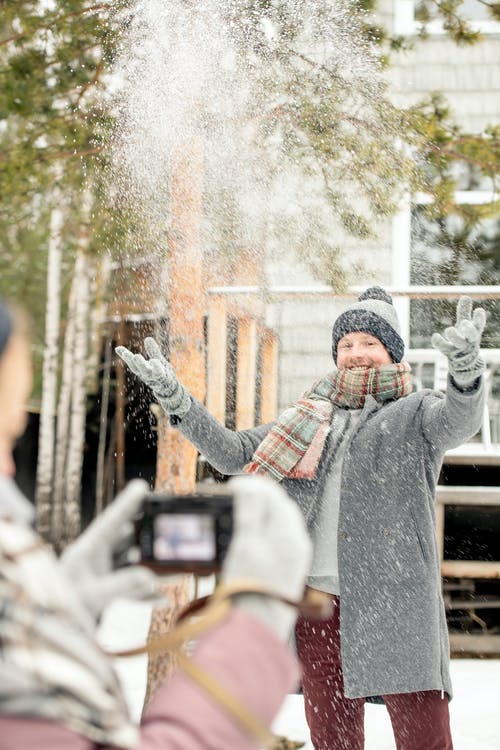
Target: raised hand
<point x="461" y="342"/>
<point x="157" y="373"/>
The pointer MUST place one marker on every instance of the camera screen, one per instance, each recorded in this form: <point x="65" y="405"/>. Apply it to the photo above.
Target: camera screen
<point x="184" y="536"/>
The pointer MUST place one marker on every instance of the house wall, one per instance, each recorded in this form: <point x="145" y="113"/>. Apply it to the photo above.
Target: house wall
<point x="469" y="78"/>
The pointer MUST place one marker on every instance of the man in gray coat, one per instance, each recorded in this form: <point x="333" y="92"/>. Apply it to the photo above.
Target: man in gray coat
<point x="361" y="454"/>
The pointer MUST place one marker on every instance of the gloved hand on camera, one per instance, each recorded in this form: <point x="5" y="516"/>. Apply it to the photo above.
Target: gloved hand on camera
<point x="88" y="561"/>
<point x="460" y="343"/>
<point x="271" y="546"/>
<point x="159" y="375"/>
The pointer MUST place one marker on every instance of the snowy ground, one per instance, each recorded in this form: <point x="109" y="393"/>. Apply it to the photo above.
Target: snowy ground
<point x="475" y="709"/>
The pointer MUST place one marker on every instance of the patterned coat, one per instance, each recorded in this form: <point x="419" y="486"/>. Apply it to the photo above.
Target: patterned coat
<point x="59" y="690"/>
<point x="394" y="637"/>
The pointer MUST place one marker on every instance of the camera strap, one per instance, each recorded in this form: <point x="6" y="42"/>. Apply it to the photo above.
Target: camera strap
<point x="232" y="705"/>
<point x="204" y="613"/>
<point x="315" y="605"/>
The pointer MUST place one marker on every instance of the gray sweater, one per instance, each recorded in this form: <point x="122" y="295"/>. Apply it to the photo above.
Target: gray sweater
<point x="324" y="572"/>
<point x="394" y="637"/>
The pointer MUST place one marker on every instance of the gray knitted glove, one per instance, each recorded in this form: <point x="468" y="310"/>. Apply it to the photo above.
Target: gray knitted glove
<point x="460" y="343"/>
<point x="159" y="375"/>
<point x="88" y="561"/>
<point x="270" y="545"/>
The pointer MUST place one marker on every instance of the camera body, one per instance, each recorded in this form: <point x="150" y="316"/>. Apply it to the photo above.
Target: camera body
<point x="185" y="533"/>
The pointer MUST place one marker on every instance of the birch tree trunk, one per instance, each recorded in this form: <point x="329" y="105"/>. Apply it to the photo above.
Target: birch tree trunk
<point x="103" y="426"/>
<point x="98" y="284"/>
<point x="76" y="434"/>
<point x="103" y="378"/>
<point x="63" y="412"/>
<point x="71" y="408"/>
<point x="46" y="433"/>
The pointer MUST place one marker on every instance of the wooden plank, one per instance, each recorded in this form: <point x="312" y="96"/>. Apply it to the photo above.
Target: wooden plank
<point x="246" y="371"/>
<point x="439" y="511"/>
<point x="269" y="378"/>
<point x="460" y="586"/>
<point x="462" y="643"/>
<point x="476" y="603"/>
<point x="309" y="291"/>
<point x="470" y="569"/>
<point x="456" y="495"/>
<point x="217" y="357"/>
<point x="479" y="458"/>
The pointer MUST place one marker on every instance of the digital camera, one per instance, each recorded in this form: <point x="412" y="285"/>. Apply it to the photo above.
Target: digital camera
<point x="185" y="533"/>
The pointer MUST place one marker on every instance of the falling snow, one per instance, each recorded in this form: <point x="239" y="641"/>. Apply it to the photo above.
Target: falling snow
<point x="207" y="71"/>
<point x="475" y="715"/>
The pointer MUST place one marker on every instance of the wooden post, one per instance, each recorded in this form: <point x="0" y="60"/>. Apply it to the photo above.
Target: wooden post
<point x="217" y="357"/>
<point x="269" y="377"/>
<point x="246" y="373"/>
<point x="120" y="410"/>
<point x="176" y="457"/>
<point x="176" y="461"/>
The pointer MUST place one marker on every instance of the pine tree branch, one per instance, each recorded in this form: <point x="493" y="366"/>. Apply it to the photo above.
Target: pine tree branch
<point x="91" y="82"/>
<point x="485" y="164"/>
<point x="57" y="19"/>
<point x="78" y="154"/>
<point x="314" y="64"/>
<point x="48" y="155"/>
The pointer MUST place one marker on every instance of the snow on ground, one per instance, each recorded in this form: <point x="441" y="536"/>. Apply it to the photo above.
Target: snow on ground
<point x="475" y="708"/>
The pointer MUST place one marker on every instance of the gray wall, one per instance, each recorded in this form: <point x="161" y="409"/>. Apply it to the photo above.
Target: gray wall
<point x="469" y="77"/>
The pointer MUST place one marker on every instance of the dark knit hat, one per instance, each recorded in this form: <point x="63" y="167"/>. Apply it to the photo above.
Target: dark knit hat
<point x="5" y="326"/>
<point x="373" y="313"/>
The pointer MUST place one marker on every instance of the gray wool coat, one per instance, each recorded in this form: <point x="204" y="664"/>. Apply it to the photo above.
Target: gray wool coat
<point x="394" y="637"/>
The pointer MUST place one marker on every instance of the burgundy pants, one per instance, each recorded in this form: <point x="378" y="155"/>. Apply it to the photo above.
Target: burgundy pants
<point x="420" y="721"/>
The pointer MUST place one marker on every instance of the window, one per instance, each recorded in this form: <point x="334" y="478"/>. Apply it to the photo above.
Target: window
<point x="442" y="252"/>
<point x="452" y="251"/>
<point x="406" y="13"/>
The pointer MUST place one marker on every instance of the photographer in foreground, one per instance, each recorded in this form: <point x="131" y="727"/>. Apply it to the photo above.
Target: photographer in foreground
<point x="58" y="689"/>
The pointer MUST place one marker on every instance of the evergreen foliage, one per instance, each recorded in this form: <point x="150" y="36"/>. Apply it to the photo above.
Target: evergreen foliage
<point x="57" y="115"/>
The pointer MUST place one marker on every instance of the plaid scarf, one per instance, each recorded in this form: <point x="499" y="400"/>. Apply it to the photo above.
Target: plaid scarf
<point x="293" y="447"/>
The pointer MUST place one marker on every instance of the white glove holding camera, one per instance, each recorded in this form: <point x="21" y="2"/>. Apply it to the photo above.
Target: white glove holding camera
<point x="159" y="375"/>
<point x="271" y="546"/>
<point x="88" y="561"/>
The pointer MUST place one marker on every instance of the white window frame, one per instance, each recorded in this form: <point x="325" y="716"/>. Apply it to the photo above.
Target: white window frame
<point x="405" y="23"/>
<point x="401" y="243"/>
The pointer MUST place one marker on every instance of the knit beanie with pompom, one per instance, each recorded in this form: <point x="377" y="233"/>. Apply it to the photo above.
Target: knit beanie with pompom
<point x="373" y="313"/>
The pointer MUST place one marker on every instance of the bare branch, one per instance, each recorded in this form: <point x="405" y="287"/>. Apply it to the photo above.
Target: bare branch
<point x="449" y="152"/>
<point x="90" y="83"/>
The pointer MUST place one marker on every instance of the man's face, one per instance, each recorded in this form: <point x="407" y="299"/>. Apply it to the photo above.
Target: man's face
<point x="360" y="349"/>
